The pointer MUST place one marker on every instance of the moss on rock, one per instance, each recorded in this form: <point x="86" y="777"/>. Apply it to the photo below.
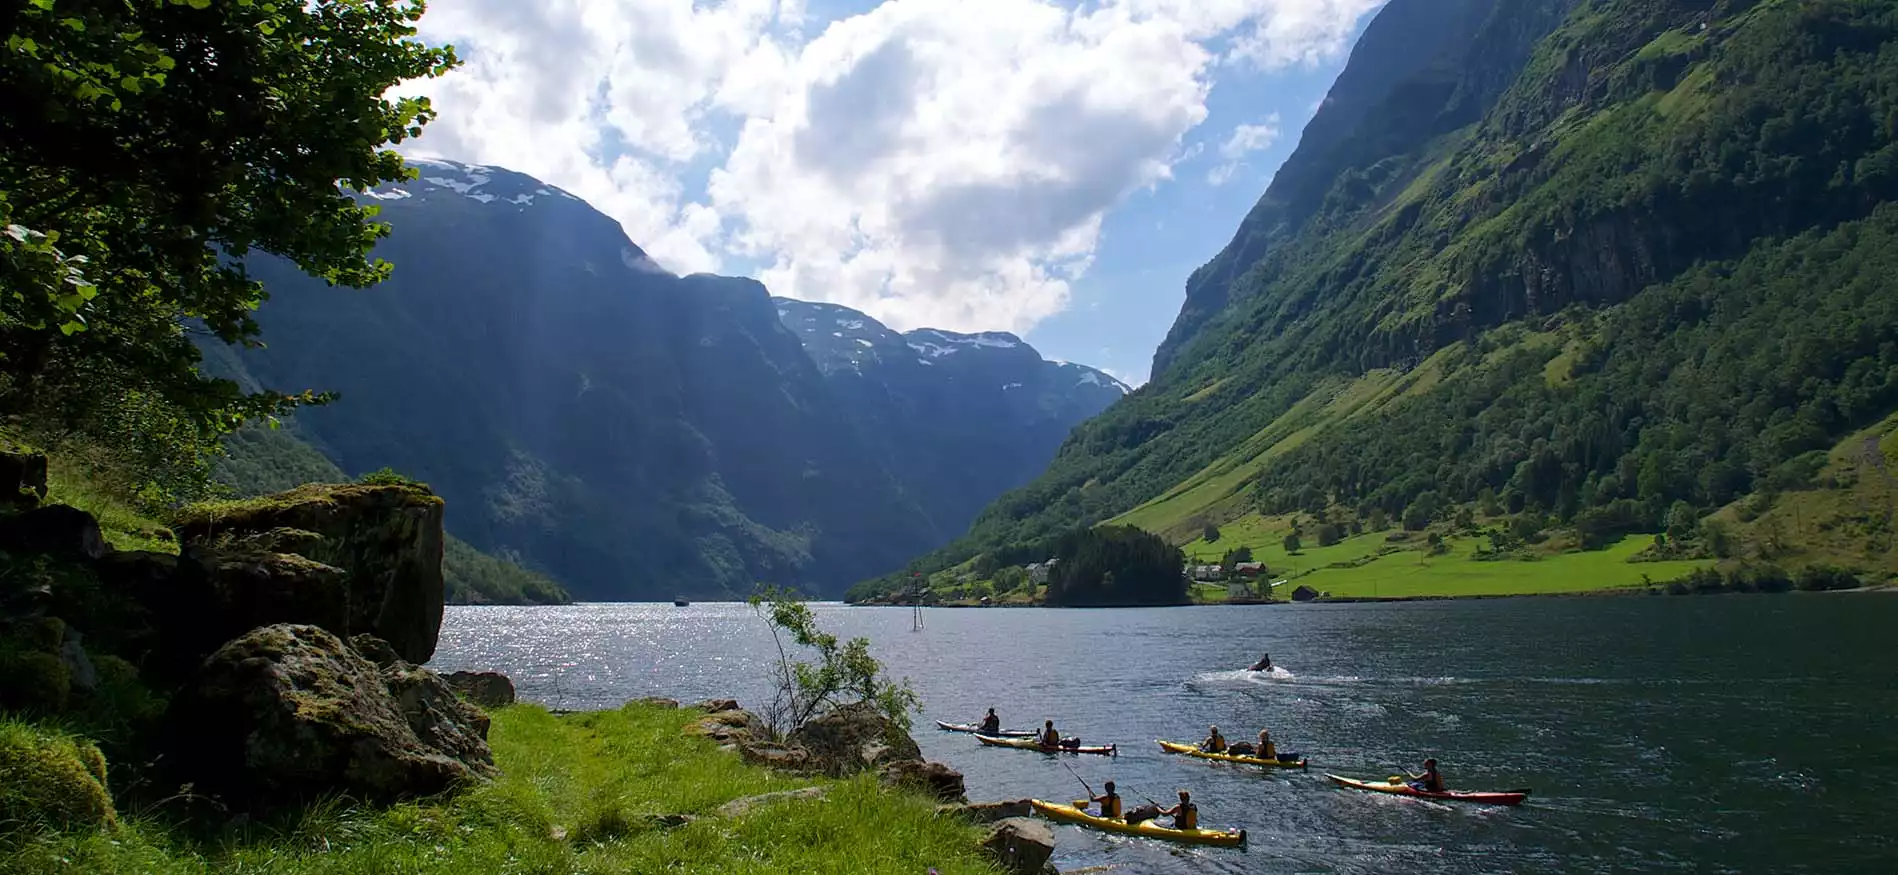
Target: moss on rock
<point x="385" y="540"/>
<point x="50" y="781"/>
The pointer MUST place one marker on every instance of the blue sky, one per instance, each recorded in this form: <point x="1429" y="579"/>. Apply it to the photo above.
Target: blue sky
<point x="1056" y="169"/>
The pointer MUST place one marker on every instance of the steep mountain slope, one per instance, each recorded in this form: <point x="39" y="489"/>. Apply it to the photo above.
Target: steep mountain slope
<point x="1596" y="258"/>
<point x="960" y="418"/>
<point x="637" y="434"/>
<point x="633" y="433"/>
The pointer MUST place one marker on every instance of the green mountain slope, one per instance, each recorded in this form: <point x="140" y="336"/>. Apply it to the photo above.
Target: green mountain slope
<point x="1609" y="257"/>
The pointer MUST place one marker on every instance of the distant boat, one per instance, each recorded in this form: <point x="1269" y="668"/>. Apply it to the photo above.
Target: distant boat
<point x="680" y="603"/>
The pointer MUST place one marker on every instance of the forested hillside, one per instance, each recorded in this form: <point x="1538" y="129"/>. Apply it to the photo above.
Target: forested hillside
<point x="1590" y="264"/>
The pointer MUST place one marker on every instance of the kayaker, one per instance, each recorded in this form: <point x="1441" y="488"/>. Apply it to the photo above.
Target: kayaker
<point x="991" y="724"/>
<point x="1049" y="737"/>
<point x="1431" y="781"/>
<point x="1214" y="743"/>
<point x="1264" y="664"/>
<point x="1109" y="801"/>
<point x="1185" y="815"/>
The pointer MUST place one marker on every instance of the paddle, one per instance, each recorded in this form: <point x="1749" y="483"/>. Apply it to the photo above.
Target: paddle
<point x="1077" y="777"/>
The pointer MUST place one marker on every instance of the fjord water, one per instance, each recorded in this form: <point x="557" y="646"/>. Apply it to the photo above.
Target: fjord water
<point x="1703" y="734"/>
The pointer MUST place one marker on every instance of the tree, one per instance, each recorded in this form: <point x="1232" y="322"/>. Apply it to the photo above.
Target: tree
<point x="163" y="141"/>
<point x="1422" y="511"/>
<point x="1291" y="542"/>
<point x="1116" y="565"/>
<point x="1329" y="534"/>
<point x="1009" y="578"/>
<point x="1682" y="521"/>
<point x="1379" y="520"/>
<point x="845" y="673"/>
<point x="1233" y="557"/>
<point x="1210" y="533"/>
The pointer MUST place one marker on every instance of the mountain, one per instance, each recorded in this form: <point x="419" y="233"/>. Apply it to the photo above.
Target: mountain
<point x="631" y="433"/>
<point x="959" y="418"/>
<point x="1594" y="264"/>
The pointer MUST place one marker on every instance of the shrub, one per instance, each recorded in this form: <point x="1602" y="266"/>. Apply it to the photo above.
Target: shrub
<point x="844" y="674"/>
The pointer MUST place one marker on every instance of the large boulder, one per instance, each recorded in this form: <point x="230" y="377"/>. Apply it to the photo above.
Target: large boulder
<point x="286" y="713"/>
<point x="353" y="558"/>
<point x="489" y="689"/>
<point x="854" y="738"/>
<point x="55" y="530"/>
<point x="987" y="812"/>
<point x="1020" y="845"/>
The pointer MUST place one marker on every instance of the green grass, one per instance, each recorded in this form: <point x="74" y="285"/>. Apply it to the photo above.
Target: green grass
<point x="1405" y="570"/>
<point x="1458" y="573"/>
<point x="125" y="527"/>
<point x="574" y="797"/>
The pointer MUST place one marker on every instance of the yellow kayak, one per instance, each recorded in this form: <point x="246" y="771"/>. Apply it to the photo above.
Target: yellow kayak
<point x="1065" y="813"/>
<point x="1194" y="751"/>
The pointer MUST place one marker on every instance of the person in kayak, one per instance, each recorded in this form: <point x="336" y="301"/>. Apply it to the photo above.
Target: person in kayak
<point x="1109" y="801"/>
<point x="1050" y="738"/>
<point x="1431" y="781"/>
<point x="1214" y="743"/>
<point x="1264" y="664"/>
<point x="1185" y="815"/>
<point x="991" y="724"/>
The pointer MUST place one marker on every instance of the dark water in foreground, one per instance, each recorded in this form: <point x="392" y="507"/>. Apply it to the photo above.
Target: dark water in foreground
<point x="1711" y="734"/>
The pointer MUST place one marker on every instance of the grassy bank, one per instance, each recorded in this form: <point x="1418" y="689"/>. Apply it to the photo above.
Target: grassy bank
<point x="577" y="794"/>
<point x="1368" y="565"/>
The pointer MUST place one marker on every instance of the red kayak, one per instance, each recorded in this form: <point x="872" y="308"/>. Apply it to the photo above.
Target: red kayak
<point x="1031" y="744"/>
<point x="1399" y="788"/>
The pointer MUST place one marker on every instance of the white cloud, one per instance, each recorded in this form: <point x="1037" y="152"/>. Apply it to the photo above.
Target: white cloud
<point x="1245" y="140"/>
<point x="939" y="162"/>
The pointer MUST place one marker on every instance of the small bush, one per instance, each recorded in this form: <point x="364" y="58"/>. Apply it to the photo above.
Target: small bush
<point x="32" y="680"/>
<point x="388" y="477"/>
<point x="50" y="781"/>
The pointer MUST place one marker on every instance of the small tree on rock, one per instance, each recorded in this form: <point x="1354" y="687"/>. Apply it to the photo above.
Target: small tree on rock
<point x="844" y="673"/>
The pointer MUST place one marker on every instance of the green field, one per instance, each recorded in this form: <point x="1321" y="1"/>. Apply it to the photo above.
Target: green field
<point x="577" y="794"/>
<point x="1406" y="569"/>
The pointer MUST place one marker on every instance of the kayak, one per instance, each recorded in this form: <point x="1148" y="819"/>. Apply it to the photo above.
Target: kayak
<point x="1194" y="751"/>
<point x="970" y="727"/>
<point x="1399" y="788"/>
<point x="1031" y="744"/>
<point x="1225" y="838"/>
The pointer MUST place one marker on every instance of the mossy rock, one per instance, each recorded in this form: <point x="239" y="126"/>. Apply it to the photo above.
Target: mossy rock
<point x="33" y="680"/>
<point x="51" y="781"/>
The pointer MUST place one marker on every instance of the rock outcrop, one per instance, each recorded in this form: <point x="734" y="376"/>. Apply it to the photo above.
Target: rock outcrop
<point x="353" y="558"/>
<point x="1020" y="845"/>
<point x="852" y="739"/>
<point x="289" y="712"/>
<point x="55" y="530"/>
<point x="936" y="779"/>
<point x="489" y="689"/>
<point x="987" y="812"/>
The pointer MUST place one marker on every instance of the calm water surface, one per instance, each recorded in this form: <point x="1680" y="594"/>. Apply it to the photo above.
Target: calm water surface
<point x="1710" y="734"/>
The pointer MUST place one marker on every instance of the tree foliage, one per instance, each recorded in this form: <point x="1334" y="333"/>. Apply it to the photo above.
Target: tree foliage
<point x="156" y="143"/>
